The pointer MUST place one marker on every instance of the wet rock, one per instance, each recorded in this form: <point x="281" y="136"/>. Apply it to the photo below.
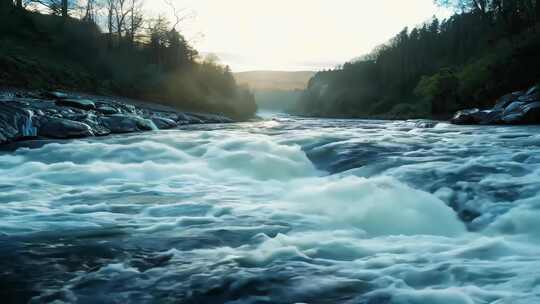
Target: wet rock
<point x="211" y="118"/>
<point x="523" y="113"/>
<point x="491" y="117"/>
<point x="106" y="110"/>
<point x="477" y="116"/>
<point x="59" y="115"/>
<point x="55" y="95"/>
<point x="127" y="109"/>
<point x="16" y="122"/>
<point x="8" y="132"/>
<point x="512" y="113"/>
<point x="514" y="108"/>
<point x="120" y="123"/>
<point x="97" y="126"/>
<point x="83" y="104"/>
<point x="470" y="116"/>
<point x="164" y="123"/>
<point x="64" y="128"/>
<point x="507" y="99"/>
<point x="426" y="124"/>
<point x="184" y="118"/>
<point x="533" y="94"/>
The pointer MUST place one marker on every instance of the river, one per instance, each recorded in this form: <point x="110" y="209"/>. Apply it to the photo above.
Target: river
<point x="283" y="210"/>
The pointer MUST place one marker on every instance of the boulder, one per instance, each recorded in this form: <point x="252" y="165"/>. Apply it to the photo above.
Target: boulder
<point x="164" y="123"/>
<point x="97" y="126"/>
<point x="531" y="113"/>
<point x="490" y="117"/>
<point x="512" y="113"/>
<point x="83" y="104"/>
<point x="464" y="117"/>
<point x="63" y="128"/>
<point x="212" y="118"/>
<point x="16" y="122"/>
<point x="507" y="99"/>
<point x="107" y="110"/>
<point x="8" y="132"/>
<point x="533" y="94"/>
<point x="55" y="95"/>
<point x="426" y="124"/>
<point x="121" y="123"/>
<point x="522" y="113"/>
<point x="127" y="108"/>
<point x="184" y="119"/>
<point x="60" y="116"/>
<point x="514" y="108"/>
<point x="477" y="116"/>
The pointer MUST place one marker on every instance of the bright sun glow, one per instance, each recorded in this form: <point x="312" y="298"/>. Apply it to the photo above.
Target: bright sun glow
<point x="296" y="34"/>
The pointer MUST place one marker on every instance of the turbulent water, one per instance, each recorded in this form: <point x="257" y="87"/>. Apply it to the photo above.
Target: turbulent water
<point x="284" y="210"/>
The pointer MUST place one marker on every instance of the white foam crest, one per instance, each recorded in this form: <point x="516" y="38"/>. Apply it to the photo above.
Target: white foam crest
<point x="521" y="220"/>
<point x="379" y="206"/>
<point x="260" y="158"/>
<point x="254" y="206"/>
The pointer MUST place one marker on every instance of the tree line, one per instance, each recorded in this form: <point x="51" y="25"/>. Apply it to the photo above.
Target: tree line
<point x="485" y="50"/>
<point x="114" y="46"/>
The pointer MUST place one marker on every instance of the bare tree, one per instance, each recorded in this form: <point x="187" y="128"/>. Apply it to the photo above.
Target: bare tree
<point x="56" y="7"/>
<point x="180" y="15"/>
<point x="135" y="19"/>
<point x="124" y="19"/>
<point x="90" y="11"/>
<point x="64" y="5"/>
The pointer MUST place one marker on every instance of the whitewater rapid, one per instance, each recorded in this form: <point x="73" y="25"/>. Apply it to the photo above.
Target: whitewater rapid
<point x="284" y="210"/>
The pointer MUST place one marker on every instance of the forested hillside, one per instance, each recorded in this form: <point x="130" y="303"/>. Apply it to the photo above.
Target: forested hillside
<point x="112" y="47"/>
<point x="488" y="48"/>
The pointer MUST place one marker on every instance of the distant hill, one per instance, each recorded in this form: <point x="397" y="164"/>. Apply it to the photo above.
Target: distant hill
<point x="274" y="80"/>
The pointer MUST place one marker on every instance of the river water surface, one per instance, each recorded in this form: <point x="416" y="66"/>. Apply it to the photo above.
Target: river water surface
<point x="284" y="210"/>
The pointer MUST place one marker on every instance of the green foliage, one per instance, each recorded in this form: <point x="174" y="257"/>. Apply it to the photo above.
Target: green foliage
<point x="439" y="90"/>
<point x="43" y="51"/>
<point x="468" y="60"/>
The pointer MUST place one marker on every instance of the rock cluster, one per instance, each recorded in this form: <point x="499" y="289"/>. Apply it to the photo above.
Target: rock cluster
<point x="58" y="115"/>
<point x="515" y="108"/>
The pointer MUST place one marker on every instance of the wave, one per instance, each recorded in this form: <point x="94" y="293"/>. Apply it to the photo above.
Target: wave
<point x="250" y="215"/>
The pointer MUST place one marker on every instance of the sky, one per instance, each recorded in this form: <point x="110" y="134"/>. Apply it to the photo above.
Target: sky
<point x="292" y="35"/>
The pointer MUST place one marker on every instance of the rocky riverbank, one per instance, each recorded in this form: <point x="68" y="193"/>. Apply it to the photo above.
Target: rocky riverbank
<point x="521" y="107"/>
<point x="58" y="115"/>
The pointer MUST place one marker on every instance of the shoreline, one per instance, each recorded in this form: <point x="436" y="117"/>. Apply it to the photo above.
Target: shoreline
<point x="27" y="115"/>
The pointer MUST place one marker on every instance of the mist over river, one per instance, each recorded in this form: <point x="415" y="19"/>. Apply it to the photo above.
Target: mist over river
<point x="283" y="210"/>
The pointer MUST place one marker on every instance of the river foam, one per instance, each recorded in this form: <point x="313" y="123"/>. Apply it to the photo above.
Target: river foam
<point x="281" y="211"/>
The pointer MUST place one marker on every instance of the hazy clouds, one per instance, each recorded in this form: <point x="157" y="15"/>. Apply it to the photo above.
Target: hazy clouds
<point x="299" y="34"/>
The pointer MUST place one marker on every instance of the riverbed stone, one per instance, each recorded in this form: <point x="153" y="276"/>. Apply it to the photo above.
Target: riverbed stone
<point x="507" y="99"/>
<point x="61" y="116"/>
<point x="122" y="123"/>
<point x="164" y="123"/>
<point x="83" y="104"/>
<point x="16" y="121"/>
<point x="526" y="113"/>
<point x="426" y="124"/>
<point x="470" y="116"/>
<point x="55" y="95"/>
<point x="107" y="110"/>
<point x="64" y="128"/>
<point x="515" y="108"/>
